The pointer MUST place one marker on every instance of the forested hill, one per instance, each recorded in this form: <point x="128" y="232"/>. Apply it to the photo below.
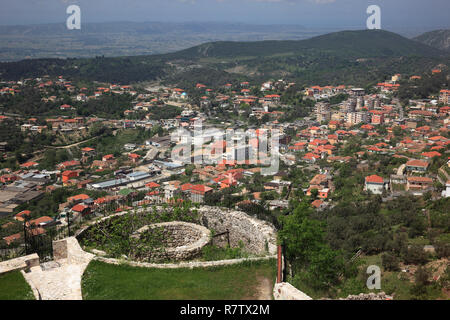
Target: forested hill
<point x="358" y="44"/>
<point x="347" y="56"/>
<point x="439" y="39"/>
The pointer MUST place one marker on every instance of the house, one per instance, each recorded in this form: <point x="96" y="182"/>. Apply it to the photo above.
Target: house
<point x="152" y="185"/>
<point x="431" y="154"/>
<point x="319" y="182"/>
<point x="375" y="184"/>
<point x="88" y="151"/>
<point x="81" y="209"/>
<point x="69" y="174"/>
<point x="419" y="183"/>
<point x="78" y="198"/>
<point x="171" y="191"/>
<point x="103" y="164"/>
<point x="416" y="166"/>
<point x="41" y="221"/>
<point x="29" y="165"/>
<point x="20" y="216"/>
<point x="278" y="204"/>
<point x="311" y="157"/>
<point x="134" y="157"/>
<point x="68" y="164"/>
<point x="198" y="193"/>
<point x="318" y="204"/>
<point x="10" y="239"/>
<point x="444" y="96"/>
<point x="6" y="178"/>
<point x="65" y="107"/>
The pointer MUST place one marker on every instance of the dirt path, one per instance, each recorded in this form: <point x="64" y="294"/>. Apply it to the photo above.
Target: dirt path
<point x="263" y="291"/>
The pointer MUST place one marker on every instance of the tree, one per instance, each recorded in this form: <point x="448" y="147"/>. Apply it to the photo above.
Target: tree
<point x="306" y="248"/>
<point x="389" y="262"/>
<point x="314" y="193"/>
<point x="421" y="282"/>
<point x="415" y="255"/>
<point x="442" y="250"/>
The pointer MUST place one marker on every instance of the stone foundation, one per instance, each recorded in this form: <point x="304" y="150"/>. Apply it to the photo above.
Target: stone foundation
<point x="180" y="240"/>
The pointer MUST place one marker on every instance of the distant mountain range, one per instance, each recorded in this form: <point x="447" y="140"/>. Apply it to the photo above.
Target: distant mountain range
<point x="358" y="57"/>
<point x="439" y="39"/>
<point x="132" y="38"/>
<point x="114" y="39"/>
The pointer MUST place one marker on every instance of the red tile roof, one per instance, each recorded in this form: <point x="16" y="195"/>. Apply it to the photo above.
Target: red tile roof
<point x="199" y="188"/>
<point x="420" y="179"/>
<point x="374" y="179"/>
<point x="40" y="220"/>
<point x="431" y="154"/>
<point x="417" y="163"/>
<point x="79" y="207"/>
<point x="81" y="196"/>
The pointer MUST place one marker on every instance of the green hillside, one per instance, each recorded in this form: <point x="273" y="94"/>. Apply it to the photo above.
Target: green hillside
<point x="439" y="39"/>
<point x="347" y="56"/>
<point x="362" y="43"/>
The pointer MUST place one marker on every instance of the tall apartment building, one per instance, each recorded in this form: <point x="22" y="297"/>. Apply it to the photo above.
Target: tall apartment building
<point x="353" y="118"/>
<point x="359" y="103"/>
<point x="444" y="96"/>
<point x="349" y="105"/>
<point x="323" y="111"/>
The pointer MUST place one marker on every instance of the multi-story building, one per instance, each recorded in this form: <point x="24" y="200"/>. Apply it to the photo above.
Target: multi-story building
<point x="353" y="118"/>
<point x="323" y="112"/>
<point x="444" y="96"/>
<point x="377" y="118"/>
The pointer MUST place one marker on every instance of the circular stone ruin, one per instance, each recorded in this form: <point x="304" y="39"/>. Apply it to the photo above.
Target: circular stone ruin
<point x="186" y="240"/>
<point x="256" y="236"/>
<point x="180" y="240"/>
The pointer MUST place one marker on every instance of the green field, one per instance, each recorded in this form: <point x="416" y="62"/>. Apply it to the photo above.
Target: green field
<point x="14" y="287"/>
<point x="250" y="280"/>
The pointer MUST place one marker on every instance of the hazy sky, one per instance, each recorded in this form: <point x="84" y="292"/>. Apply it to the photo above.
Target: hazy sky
<point x="310" y="13"/>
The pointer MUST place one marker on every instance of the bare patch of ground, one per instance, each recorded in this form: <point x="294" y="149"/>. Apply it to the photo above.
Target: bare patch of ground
<point x="263" y="290"/>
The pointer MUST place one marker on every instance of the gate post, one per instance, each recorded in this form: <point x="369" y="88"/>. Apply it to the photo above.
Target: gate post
<point x="279" y="264"/>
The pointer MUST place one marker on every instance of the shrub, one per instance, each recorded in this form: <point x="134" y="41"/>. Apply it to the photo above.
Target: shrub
<point x="389" y="262"/>
<point x="442" y="250"/>
<point x="415" y="255"/>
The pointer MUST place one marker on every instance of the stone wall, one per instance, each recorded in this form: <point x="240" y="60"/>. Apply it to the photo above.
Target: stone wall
<point x="180" y="240"/>
<point x="20" y="263"/>
<point x="190" y="264"/>
<point x="286" y="291"/>
<point x="257" y="236"/>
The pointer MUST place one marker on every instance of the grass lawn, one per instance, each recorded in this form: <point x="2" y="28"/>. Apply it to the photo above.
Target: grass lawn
<point x="14" y="287"/>
<point x="102" y="281"/>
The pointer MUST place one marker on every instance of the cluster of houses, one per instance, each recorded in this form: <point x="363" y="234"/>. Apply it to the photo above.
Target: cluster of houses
<point x="314" y="142"/>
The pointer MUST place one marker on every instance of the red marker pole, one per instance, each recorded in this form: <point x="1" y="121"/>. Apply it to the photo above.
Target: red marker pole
<point x="279" y="265"/>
